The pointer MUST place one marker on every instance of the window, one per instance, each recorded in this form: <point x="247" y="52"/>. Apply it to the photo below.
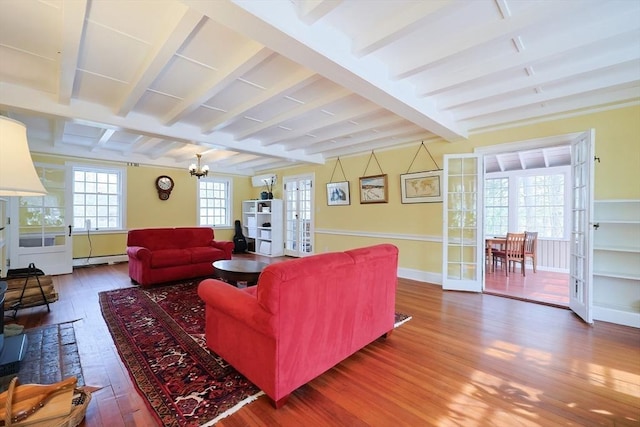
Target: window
<point x="541" y="205"/>
<point x="97" y="198"/>
<point x="496" y="202"/>
<point x="528" y="201"/>
<point x="214" y="202"/>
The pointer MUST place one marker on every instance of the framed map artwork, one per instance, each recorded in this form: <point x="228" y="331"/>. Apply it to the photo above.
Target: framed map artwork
<point x="421" y="187"/>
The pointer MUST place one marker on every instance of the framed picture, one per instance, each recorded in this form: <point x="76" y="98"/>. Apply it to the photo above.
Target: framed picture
<point x="338" y="193"/>
<point x="421" y="187"/>
<point x="374" y="189"/>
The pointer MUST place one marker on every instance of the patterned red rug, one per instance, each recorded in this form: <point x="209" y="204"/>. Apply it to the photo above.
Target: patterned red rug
<point x="159" y="333"/>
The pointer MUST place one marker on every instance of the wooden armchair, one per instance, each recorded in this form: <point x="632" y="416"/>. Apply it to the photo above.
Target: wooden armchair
<point x="531" y="247"/>
<point x="513" y="252"/>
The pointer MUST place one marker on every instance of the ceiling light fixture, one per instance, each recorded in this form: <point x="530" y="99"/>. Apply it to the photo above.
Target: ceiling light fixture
<point x="197" y="170"/>
<point x="18" y="176"/>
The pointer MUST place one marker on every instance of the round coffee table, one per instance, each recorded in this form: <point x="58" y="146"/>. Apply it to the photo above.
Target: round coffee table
<point x="236" y="271"/>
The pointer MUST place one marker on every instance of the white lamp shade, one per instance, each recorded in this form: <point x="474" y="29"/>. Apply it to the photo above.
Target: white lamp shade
<point x="18" y="176"/>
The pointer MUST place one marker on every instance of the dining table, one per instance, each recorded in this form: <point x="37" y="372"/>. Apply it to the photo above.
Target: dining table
<point x="490" y="242"/>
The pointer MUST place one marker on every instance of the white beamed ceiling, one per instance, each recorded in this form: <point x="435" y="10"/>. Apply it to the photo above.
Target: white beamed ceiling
<point x="258" y="85"/>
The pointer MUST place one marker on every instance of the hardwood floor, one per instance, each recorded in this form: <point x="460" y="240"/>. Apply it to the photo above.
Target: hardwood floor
<point x="543" y="286"/>
<point x="464" y="360"/>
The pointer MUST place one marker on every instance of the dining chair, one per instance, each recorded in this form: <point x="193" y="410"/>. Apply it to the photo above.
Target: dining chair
<point x="531" y="247"/>
<point x="513" y="252"/>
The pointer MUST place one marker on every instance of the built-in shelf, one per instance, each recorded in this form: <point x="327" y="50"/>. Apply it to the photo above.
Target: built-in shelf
<point x="262" y="239"/>
<point x="616" y="261"/>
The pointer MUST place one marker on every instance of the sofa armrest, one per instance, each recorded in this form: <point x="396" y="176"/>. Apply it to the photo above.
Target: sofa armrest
<point x="240" y="304"/>
<point x="225" y="246"/>
<point x="139" y="253"/>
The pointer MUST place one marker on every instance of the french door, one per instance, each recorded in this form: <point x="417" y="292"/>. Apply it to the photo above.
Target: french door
<point x="298" y="214"/>
<point x="462" y="245"/>
<point x="40" y="226"/>
<point x="581" y="253"/>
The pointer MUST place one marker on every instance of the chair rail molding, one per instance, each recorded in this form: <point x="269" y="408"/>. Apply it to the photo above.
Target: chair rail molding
<point x="373" y="234"/>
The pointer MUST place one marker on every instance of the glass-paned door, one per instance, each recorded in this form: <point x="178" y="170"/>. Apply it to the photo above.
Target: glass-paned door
<point x="462" y="246"/>
<point x="40" y="226"/>
<point x="581" y="254"/>
<point x="299" y="224"/>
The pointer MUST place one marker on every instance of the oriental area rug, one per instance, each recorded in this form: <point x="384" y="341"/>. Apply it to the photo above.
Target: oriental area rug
<point x="159" y="333"/>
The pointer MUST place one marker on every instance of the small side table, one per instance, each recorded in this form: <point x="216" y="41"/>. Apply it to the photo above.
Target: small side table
<point x="237" y="272"/>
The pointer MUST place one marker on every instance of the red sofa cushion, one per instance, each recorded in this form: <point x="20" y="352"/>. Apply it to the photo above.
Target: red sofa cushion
<point x="205" y="254"/>
<point x="170" y="238"/>
<point x="169" y="258"/>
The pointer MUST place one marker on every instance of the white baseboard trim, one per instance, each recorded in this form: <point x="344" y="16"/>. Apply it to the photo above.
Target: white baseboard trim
<point x="420" y="276"/>
<point x="111" y="259"/>
<point x="619" y="317"/>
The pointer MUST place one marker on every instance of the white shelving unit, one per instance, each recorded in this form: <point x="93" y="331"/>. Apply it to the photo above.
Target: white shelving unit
<point x="616" y="262"/>
<point x="268" y="240"/>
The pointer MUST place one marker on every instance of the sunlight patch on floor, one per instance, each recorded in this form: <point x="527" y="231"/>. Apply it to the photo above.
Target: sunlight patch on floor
<point x="473" y="407"/>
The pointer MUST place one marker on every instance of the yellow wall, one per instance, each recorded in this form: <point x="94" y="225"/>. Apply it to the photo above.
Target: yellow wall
<point x="145" y="209"/>
<point x="420" y="225"/>
<point x="616" y="177"/>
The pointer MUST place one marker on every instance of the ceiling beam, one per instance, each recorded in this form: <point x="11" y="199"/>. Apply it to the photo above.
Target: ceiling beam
<point x="322" y="49"/>
<point x="574" y="87"/>
<point x="290" y="83"/>
<point x="293" y="113"/>
<point x="311" y="11"/>
<point x="22" y="98"/>
<point x="464" y="40"/>
<point x="559" y="45"/>
<point x="404" y="21"/>
<point x="73" y="21"/>
<point x="243" y="61"/>
<point x="175" y="34"/>
<point x="353" y="113"/>
<point x="619" y="55"/>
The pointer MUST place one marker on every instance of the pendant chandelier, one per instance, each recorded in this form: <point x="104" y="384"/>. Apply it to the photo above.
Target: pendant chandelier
<point x="197" y="170"/>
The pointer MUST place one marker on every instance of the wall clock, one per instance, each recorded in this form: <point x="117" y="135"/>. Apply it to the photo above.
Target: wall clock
<point x="164" y="185"/>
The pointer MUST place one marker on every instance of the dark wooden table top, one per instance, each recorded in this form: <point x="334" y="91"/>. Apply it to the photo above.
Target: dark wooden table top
<point x="239" y="266"/>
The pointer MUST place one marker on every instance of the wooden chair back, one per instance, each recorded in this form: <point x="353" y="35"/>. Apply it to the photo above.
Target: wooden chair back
<point x="514" y="247"/>
<point x="531" y="247"/>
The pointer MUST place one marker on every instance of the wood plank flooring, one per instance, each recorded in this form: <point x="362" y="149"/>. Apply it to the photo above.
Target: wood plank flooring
<point x="542" y="286"/>
<point x="463" y="360"/>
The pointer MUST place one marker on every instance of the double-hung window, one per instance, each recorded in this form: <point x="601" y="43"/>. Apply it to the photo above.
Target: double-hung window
<point x="98" y="199"/>
<point x="541" y="205"/>
<point x="496" y="204"/>
<point x="214" y="202"/>
<point x="533" y="200"/>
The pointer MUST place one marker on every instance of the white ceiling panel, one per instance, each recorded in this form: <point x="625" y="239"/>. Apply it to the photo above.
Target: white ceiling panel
<point x="97" y="89"/>
<point x="258" y="85"/>
<point x="102" y="45"/>
<point x="155" y="104"/>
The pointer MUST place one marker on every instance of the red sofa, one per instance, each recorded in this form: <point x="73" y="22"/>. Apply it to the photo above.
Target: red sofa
<point x="303" y="317"/>
<point x="165" y="254"/>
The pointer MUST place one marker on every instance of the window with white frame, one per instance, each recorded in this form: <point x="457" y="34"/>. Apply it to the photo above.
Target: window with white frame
<point x="531" y="200"/>
<point x="541" y="205"/>
<point x="496" y="203"/>
<point x="98" y="198"/>
<point x="214" y="202"/>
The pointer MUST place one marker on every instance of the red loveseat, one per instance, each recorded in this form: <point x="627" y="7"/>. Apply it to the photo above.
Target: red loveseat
<point x="303" y="317"/>
<point x="164" y="254"/>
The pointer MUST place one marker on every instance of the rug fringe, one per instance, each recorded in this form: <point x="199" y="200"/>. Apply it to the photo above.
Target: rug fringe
<point x="402" y="321"/>
<point x="236" y="408"/>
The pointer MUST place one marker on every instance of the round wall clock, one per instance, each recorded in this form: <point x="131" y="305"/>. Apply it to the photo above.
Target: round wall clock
<point x="164" y="185"/>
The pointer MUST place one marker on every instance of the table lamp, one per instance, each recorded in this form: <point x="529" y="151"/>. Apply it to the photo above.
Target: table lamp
<point x="18" y="177"/>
